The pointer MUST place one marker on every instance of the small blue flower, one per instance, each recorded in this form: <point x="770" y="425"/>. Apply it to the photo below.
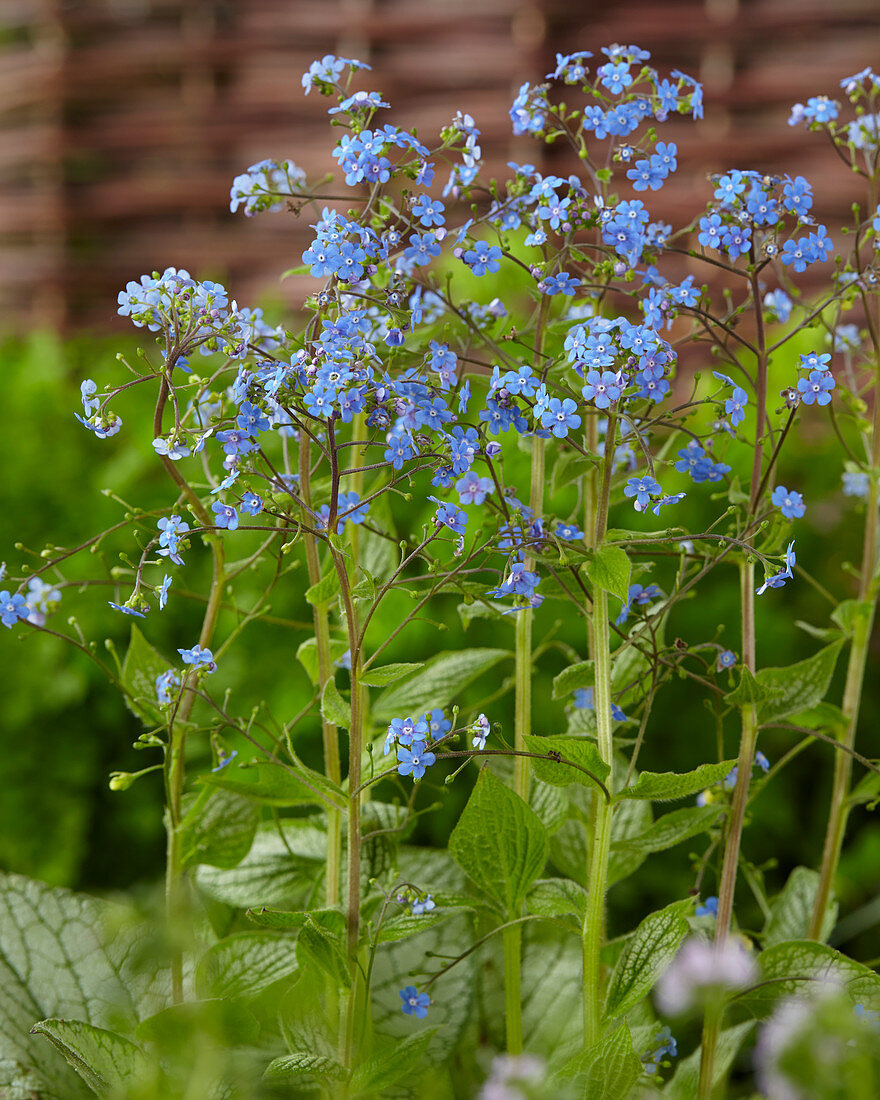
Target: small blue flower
<point x="198" y="657"/>
<point x="414" y="1003"/>
<point x="480" y="729"/>
<point x="709" y="909"/>
<point x="438" y="723"/>
<point x="225" y="515"/>
<point x="165" y="681"/>
<point x="568" y="532"/>
<point x="790" y="503"/>
<point x="414" y="760"/>
<point x="116" y="607"/>
<point x="423" y="905"/>
<point x="642" y="488"/>
<point x="726" y="659"/>
<point x="162" y="591"/>
<point x="225" y="760"/>
<point x="13" y="608"/>
<point x="251" y="504"/>
<point x="817" y="388"/>
<point x="762" y="762"/>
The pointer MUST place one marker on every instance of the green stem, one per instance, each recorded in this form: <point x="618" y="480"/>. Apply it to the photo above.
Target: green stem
<point x="852" y="695"/>
<point x="594" y="918"/>
<point x="512" y="993"/>
<point x="329" y="733"/>
<point x="175" y="773"/>
<point x="748" y="741"/>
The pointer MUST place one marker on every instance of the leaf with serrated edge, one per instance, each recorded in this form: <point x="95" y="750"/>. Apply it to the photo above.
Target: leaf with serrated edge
<point x="388" y="1066"/>
<point x="792" y="909"/>
<point x="140" y="668"/>
<point x="219" y="829"/>
<point x="244" y="964"/>
<point x="107" y="1062"/>
<point x="302" y="1065"/>
<point x="790" y="967"/>
<point x="274" y="784"/>
<point x="645" y="956"/>
<point x="797" y="687"/>
<point x="668" y="786"/>
<point x="388" y="674"/>
<point x="671" y="829"/>
<point x="56" y="962"/>
<point x="499" y="841"/>
<point x="333" y="706"/>
<point x="609" y="1069"/>
<point x="572" y="750"/>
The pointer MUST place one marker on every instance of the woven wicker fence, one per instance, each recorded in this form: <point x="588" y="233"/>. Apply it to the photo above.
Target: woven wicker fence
<point x="123" y="122"/>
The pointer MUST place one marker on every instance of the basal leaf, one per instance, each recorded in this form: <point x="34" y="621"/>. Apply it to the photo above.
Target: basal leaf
<point x="277" y="784"/>
<point x="244" y="964"/>
<point x="499" y="842"/>
<point x="108" y="1063"/>
<point x="219" y="829"/>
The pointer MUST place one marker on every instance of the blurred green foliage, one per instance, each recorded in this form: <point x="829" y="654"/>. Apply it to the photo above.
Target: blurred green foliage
<point x="64" y="729"/>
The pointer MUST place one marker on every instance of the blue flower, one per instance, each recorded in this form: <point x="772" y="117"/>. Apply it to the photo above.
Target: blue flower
<point x="438" y="723"/>
<point x="779" y="579"/>
<point x="568" y="532"/>
<point x="251" y="504"/>
<point x="199" y="658"/>
<point x="726" y="659"/>
<point x="414" y="760"/>
<point x="422" y="249"/>
<point x="450" y="516"/>
<point x="165" y="681"/>
<point x="483" y="258"/>
<point x="709" y="909"/>
<point x="473" y="489"/>
<point x="602" y="388"/>
<point x="480" y="729"/>
<point x="583" y="700"/>
<point x="225" y="760"/>
<point x="422" y="905"/>
<point x="225" y="516"/>
<point x="162" y="591"/>
<point x="817" y="388"/>
<point x="563" y="283"/>
<point x="560" y="416"/>
<point x="13" y="608"/>
<point x="116" y="607"/>
<point x="642" y="488"/>
<point x="790" y="503"/>
<point x="855" y="483"/>
<point x="414" y="1003"/>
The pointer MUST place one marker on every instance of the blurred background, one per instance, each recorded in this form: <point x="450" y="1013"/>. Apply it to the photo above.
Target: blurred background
<point x="122" y="125"/>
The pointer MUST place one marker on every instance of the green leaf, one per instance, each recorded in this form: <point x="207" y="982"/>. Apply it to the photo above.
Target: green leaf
<point x="582" y="675"/>
<point x="295" y="1069"/>
<point x="558" y="897"/>
<point x="325" y="589"/>
<point x="667" y="786"/>
<point x="438" y="684"/>
<point x="748" y="691"/>
<point x="56" y="963"/>
<point x="318" y="947"/>
<point x="671" y="829"/>
<point x="387" y="674"/>
<point x="610" y="569"/>
<point x="866" y="791"/>
<point x="610" y="1068"/>
<point x="140" y="668"/>
<point x="850" y="613"/>
<point x="793" y="908"/>
<point x="284" y="920"/>
<point x="798" y="687"/>
<point x="645" y="956"/>
<point x="244" y="964"/>
<point x="307" y="655"/>
<point x="387" y="1067"/>
<point x="685" y="1081"/>
<point x="269" y="874"/>
<point x="219" y="829"/>
<point x="333" y="706"/>
<point x="108" y="1063"/>
<point x="277" y="784"/>
<point x="574" y="750"/>
<point x="790" y="967"/>
<point x="499" y="842"/>
<point x="404" y="926"/>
